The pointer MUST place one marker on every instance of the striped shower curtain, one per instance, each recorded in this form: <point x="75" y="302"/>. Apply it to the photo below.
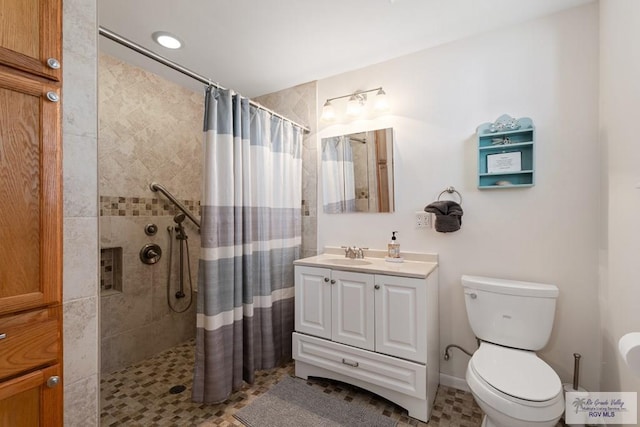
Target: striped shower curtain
<point x="251" y="234"/>
<point x="338" y="177"/>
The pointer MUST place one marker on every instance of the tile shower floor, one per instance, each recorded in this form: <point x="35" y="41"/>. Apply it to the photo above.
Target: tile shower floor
<point x="139" y="396"/>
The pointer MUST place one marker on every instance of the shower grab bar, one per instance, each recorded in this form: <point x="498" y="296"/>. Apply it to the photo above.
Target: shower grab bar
<point x="154" y="186"/>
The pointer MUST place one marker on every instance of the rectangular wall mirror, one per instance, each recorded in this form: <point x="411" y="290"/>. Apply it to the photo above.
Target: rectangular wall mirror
<point x="357" y="172"/>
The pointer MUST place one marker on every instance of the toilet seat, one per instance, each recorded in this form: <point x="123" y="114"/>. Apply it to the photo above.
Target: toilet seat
<point x="516" y="373"/>
<point x="493" y="401"/>
<point x="500" y="364"/>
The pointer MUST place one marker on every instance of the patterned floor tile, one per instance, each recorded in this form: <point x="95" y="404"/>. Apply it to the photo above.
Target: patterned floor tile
<point x="140" y="396"/>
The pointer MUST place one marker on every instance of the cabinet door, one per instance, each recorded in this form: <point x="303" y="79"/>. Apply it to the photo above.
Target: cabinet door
<point x="352" y="309"/>
<point x="313" y="301"/>
<point x="30" y="194"/>
<point x="401" y="318"/>
<point x="34" y="399"/>
<point x="30" y="35"/>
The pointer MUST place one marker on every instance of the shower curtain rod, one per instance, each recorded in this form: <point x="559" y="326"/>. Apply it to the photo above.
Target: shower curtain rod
<point x="104" y="32"/>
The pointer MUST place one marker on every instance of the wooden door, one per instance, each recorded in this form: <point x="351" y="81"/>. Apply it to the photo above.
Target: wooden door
<point x="401" y="317"/>
<point x="30" y="194"/>
<point x="352" y="309"/>
<point x="382" y="172"/>
<point x="313" y="301"/>
<point x="30" y="36"/>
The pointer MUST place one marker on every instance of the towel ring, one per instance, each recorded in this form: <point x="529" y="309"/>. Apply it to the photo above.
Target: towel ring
<point x="450" y="190"/>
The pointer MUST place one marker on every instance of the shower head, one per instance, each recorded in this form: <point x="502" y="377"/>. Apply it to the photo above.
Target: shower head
<point x="178" y="218"/>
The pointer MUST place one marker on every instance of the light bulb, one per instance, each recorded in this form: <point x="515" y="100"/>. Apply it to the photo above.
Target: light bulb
<point x="328" y="113"/>
<point x="381" y="103"/>
<point x="166" y="39"/>
<point x="354" y="106"/>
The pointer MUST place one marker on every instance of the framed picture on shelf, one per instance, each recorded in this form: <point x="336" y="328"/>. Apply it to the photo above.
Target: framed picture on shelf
<point x="504" y="162"/>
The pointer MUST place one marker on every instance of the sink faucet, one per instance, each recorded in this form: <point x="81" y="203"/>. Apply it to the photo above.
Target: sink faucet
<point x="349" y="252"/>
<point x="353" y="252"/>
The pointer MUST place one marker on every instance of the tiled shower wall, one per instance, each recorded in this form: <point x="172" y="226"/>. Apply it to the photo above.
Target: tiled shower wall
<point x="80" y="257"/>
<point x="299" y="104"/>
<point x="150" y="130"/>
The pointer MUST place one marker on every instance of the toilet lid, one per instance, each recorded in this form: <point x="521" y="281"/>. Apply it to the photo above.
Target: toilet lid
<point x="518" y="373"/>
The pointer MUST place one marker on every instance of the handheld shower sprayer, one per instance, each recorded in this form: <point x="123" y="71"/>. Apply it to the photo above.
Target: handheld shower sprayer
<point x="179" y="218"/>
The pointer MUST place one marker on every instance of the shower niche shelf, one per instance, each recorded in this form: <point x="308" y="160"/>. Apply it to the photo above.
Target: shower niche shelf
<point x="110" y="270"/>
<point x="506" y="153"/>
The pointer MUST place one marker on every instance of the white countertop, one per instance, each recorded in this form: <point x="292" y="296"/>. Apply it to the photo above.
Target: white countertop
<point x="415" y="264"/>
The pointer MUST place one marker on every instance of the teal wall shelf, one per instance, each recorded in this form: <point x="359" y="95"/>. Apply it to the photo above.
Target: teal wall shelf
<point x="506" y="153"/>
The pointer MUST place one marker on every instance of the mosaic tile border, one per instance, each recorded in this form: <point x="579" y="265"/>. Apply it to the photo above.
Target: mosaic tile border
<point x="143" y="206"/>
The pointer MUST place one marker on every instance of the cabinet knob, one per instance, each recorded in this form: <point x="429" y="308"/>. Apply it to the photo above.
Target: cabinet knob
<point x="53" y="63"/>
<point x="53" y="381"/>
<point x="376" y="287"/>
<point x="333" y="282"/>
<point x="326" y="279"/>
<point x="3" y="336"/>
<point x="52" y="96"/>
<point x="473" y="296"/>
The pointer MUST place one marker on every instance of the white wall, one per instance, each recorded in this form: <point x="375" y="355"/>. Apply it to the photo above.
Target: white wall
<point x="546" y="69"/>
<point x="620" y="103"/>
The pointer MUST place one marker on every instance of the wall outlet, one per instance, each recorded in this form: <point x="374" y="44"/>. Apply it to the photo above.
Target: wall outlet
<point x="423" y="219"/>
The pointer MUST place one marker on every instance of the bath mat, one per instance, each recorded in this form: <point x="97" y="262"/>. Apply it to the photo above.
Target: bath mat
<point x="293" y="403"/>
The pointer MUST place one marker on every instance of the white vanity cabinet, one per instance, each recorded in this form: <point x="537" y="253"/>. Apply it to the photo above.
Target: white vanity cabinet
<point x="373" y="312"/>
<point x="337" y="305"/>
<point x="401" y="317"/>
<point x="377" y="331"/>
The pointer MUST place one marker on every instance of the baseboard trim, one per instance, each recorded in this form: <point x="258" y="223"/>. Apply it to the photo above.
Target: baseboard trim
<point x="454" y="382"/>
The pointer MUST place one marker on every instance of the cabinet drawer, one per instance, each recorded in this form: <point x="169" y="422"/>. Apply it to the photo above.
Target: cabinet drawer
<point x="395" y="374"/>
<point x="31" y="340"/>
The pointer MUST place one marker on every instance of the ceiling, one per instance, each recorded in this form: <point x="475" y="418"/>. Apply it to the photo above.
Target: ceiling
<point x="262" y="46"/>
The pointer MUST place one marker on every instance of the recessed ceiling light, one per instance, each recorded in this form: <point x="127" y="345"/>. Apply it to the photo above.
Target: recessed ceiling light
<point x="166" y="39"/>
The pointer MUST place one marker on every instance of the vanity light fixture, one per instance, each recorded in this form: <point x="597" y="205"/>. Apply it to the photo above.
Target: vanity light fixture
<point x="381" y="102"/>
<point x="328" y="112"/>
<point x="166" y="39"/>
<point x="356" y="103"/>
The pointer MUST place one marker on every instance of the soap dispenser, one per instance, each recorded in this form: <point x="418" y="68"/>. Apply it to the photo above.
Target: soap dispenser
<point x="393" y="247"/>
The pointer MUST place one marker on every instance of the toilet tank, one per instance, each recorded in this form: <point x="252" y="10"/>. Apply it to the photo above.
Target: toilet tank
<point x="510" y="313"/>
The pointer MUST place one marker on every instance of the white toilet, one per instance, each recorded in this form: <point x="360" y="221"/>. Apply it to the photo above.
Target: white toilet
<point x="509" y="382"/>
